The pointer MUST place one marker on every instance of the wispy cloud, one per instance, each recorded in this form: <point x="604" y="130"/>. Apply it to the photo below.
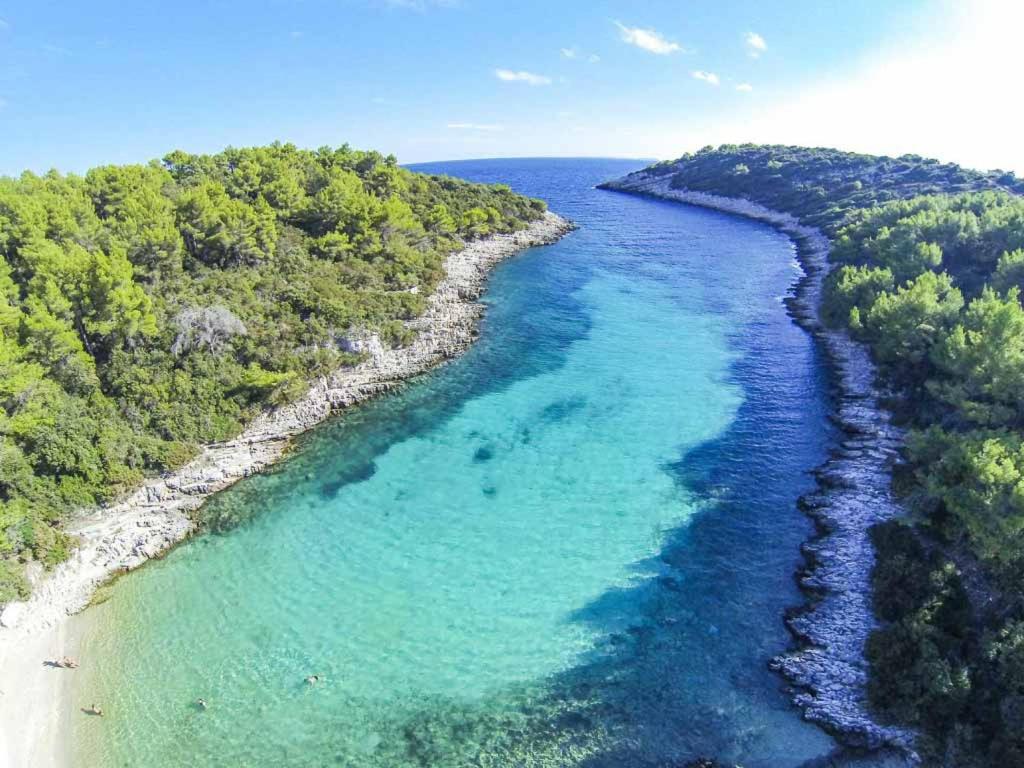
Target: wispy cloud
<point x="576" y="53"/>
<point x="56" y="49"/>
<point x="744" y="87"/>
<point x="708" y="77"/>
<point x="510" y="76"/>
<point x="484" y="127"/>
<point x="647" y="39"/>
<point x="755" y="45"/>
<point x="4" y="25"/>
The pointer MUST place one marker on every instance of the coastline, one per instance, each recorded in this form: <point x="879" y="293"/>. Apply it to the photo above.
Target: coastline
<point x="828" y="670"/>
<point x="33" y="696"/>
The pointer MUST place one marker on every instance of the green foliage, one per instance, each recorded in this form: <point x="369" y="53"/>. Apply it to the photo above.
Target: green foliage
<point x="957" y="676"/>
<point x="147" y="309"/>
<point x="221" y="231"/>
<point x="849" y="289"/>
<point x="13" y="584"/>
<point x="964" y="234"/>
<point x="981" y="362"/>
<point x="929" y="269"/>
<point x="1009" y="271"/>
<point x="820" y="186"/>
<point x="961" y="366"/>
<point x="1003" y="681"/>
<point x="903" y="325"/>
<point x="972" y="484"/>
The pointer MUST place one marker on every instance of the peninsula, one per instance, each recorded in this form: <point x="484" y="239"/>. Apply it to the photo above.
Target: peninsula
<point x="914" y="618"/>
<point x="255" y="293"/>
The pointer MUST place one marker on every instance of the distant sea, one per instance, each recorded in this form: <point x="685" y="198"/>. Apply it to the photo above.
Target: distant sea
<point x="572" y="546"/>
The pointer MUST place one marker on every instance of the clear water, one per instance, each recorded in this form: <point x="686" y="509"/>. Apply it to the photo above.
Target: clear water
<point x="573" y="546"/>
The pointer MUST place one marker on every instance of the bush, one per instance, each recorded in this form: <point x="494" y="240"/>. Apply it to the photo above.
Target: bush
<point x="145" y="310"/>
<point x="13" y="584"/>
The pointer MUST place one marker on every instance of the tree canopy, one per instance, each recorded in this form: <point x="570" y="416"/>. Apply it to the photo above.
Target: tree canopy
<point x="928" y="269"/>
<point x="148" y="309"/>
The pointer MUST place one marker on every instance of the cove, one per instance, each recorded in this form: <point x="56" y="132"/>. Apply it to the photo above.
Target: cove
<point x="573" y="546"/>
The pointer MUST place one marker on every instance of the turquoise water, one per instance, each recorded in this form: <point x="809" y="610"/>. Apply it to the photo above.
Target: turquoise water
<point x="571" y="547"/>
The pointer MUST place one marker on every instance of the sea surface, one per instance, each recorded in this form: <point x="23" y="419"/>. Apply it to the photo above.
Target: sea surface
<point x="571" y="547"/>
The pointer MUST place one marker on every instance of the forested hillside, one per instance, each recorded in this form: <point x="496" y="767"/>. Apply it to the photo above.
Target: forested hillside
<point x="929" y="272"/>
<point x="147" y="309"/>
<point x="933" y="285"/>
<point x="822" y="186"/>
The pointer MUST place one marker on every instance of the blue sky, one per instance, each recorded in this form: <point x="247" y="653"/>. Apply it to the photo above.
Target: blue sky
<point x="88" y="83"/>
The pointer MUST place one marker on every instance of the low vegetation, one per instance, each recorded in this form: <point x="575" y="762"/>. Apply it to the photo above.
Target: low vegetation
<point x="929" y="269"/>
<point x="148" y="309"/>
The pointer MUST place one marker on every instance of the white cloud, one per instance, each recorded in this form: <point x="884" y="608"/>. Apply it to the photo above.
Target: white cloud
<point x="476" y="127"/>
<point x="576" y="53"/>
<point x="648" y="39"/>
<point x="895" y="99"/>
<point x="744" y="87"/>
<point x="4" y="25"/>
<point x="510" y="76"/>
<point x="755" y="45"/>
<point x="708" y="77"/>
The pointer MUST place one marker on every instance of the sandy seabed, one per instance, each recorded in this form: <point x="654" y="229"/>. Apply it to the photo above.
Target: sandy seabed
<point x="35" y="696"/>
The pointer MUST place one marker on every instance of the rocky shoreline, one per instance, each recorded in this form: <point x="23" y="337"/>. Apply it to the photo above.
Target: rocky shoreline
<point x="828" y="671"/>
<point x="158" y="515"/>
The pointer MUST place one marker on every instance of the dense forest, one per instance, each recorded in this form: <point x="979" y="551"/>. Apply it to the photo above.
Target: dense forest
<point x="823" y="186"/>
<point x="929" y="272"/>
<point x="148" y="309"/>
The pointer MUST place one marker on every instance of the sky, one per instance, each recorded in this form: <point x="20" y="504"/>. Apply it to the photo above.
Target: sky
<point x="89" y="83"/>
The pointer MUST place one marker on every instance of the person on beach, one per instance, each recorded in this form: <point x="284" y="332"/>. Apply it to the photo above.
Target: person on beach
<point x="68" y="663"/>
<point x="95" y="709"/>
<point x="313" y="679"/>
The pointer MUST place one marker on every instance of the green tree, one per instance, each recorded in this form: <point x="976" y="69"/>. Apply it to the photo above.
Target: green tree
<point x="224" y="232"/>
<point x="904" y="325"/>
<point x="981" y="361"/>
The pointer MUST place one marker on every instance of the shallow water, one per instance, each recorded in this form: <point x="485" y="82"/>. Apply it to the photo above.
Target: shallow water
<point x="573" y="546"/>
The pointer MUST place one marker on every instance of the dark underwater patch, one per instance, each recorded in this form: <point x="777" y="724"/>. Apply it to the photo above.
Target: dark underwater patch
<point x="483" y="453"/>
<point x="354" y="474"/>
<point x="562" y="409"/>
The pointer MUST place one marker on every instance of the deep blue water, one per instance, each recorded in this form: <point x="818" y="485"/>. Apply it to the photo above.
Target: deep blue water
<point x="573" y="546"/>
